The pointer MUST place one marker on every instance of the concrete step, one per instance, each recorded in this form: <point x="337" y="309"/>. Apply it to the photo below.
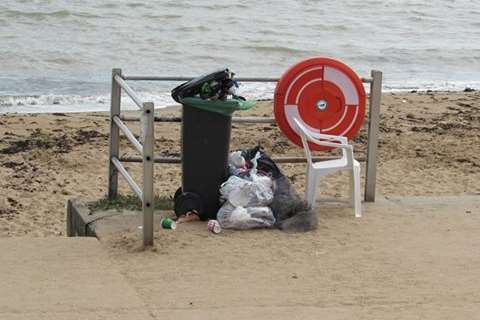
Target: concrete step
<point x="63" y="278"/>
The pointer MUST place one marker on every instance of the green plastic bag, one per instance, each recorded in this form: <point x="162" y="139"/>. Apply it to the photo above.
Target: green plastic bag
<point x="225" y="107"/>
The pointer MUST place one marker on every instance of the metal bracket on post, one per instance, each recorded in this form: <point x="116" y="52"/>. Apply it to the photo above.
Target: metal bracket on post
<point x="373" y="129"/>
<point x="114" y="135"/>
<point x="148" y="162"/>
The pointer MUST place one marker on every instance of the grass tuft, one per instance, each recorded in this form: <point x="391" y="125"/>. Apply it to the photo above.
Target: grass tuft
<point x="129" y="202"/>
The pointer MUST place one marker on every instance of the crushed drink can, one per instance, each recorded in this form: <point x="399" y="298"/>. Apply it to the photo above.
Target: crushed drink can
<point x="214" y="226"/>
<point x="168" y="223"/>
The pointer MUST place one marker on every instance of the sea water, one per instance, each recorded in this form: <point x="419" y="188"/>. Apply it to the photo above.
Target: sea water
<point x="57" y="56"/>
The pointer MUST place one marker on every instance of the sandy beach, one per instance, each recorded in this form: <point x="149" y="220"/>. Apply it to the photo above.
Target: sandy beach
<point x="429" y="145"/>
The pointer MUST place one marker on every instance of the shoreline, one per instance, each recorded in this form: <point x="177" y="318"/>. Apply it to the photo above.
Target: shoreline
<point x="93" y="108"/>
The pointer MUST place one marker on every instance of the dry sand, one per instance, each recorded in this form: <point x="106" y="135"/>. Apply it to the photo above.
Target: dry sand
<point x="429" y="145"/>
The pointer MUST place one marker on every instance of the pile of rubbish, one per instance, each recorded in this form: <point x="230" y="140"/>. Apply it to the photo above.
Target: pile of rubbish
<point x="258" y="195"/>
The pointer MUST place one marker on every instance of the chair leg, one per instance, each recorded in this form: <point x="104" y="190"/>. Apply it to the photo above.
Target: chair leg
<point x="356" y="191"/>
<point x="351" y="188"/>
<point x="311" y="187"/>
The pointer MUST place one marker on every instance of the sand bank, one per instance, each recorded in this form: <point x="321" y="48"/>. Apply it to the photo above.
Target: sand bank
<point x="429" y="145"/>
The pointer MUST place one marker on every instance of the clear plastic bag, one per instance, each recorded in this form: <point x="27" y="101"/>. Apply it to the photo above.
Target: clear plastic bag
<point x="231" y="217"/>
<point x="246" y="201"/>
<point x="236" y="164"/>
<point x="247" y="193"/>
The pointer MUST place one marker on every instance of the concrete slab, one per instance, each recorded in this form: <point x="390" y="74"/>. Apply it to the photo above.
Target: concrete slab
<point x="83" y="222"/>
<point x="407" y="258"/>
<point x="63" y="278"/>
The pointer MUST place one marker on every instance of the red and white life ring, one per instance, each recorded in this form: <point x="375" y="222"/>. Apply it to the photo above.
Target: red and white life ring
<point x="323" y="93"/>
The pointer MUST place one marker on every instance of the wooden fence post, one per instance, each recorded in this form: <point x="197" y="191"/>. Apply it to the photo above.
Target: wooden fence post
<point x="114" y="135"/>
<point x="373" y="129"/>
<point x="148" y="133"/>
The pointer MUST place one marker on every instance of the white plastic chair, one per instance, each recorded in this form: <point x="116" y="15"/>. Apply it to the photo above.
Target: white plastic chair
<point x="315" y="170"/>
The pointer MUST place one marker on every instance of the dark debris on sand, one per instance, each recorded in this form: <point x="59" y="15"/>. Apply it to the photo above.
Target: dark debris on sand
<point x="60" y="143"/>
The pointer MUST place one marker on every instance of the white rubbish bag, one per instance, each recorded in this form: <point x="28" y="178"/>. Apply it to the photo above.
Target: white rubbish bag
<point x="231" y="217"/>
<point x="246" y="201"/>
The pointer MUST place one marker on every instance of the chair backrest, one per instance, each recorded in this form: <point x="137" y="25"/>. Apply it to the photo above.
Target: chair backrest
<point x="302" y="131"/>
<point x="324" y="140"/>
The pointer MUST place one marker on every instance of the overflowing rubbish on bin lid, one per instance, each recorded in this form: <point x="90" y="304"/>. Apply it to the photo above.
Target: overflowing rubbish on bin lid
<point x="218" y="85"/>
<point x="213" y="92"/>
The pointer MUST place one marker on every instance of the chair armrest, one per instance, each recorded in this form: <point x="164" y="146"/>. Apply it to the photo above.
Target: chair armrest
<point x="314" y="137"/>
<point x="329" y="144"/>
<point x="324" y="136"/>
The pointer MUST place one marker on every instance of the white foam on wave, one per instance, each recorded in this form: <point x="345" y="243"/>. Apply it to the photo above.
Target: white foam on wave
<point x="76" y="103"/>
<point x="256" y="90"/>
<point x="101" y="103"/>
